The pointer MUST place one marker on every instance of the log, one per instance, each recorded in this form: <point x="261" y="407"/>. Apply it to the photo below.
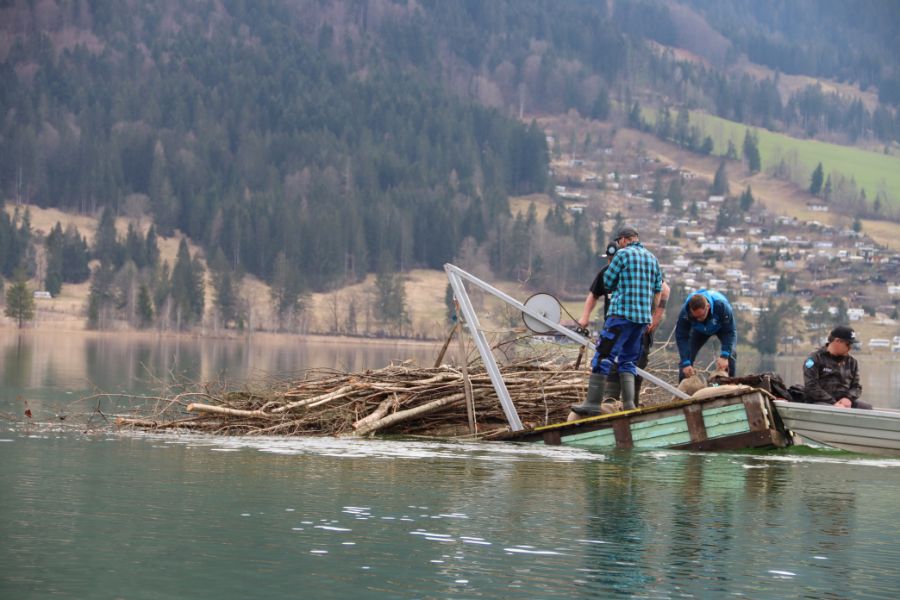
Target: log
<point x="222" y="410"/>
<point x="411" y="413"/>
<point x="440" y="356"/>
<point x="315" y="400"/>
<point x="124" y="421"/>
<point x="379" y="412"/>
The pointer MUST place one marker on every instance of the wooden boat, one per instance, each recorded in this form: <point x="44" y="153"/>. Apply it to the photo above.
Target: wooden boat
<point x="736" y="417"/>
<point x="866" y="431"/>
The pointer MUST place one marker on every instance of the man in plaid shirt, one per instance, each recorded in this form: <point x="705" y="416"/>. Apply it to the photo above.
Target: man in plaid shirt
<point x="635" y="280"/>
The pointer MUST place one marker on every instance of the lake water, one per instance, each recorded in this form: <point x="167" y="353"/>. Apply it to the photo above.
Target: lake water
<point x="103" y="515"/>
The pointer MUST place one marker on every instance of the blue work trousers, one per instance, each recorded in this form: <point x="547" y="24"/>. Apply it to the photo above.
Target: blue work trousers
<point x="620" y="344"/>
<point x="697" y="341"/>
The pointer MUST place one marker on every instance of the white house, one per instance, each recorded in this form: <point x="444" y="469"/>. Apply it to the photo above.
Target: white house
<point x="855" y="314"/>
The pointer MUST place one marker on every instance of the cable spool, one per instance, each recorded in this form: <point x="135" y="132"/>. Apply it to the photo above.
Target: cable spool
<point x="545" y="305"/>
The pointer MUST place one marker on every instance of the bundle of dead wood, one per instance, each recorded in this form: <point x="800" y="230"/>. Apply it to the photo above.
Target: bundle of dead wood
<point x="402" y="399"/>
<point x="398" y="399"/>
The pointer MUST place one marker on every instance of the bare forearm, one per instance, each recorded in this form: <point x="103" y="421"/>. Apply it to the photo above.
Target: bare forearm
<point x="660" y="300"/>
<point x="589" y="304"/>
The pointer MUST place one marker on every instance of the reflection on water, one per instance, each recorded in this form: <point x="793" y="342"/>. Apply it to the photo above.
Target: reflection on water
<point x="39" y="364"/>
<point x="172" y="516"/>
<point x="144" y="516"/>
<point x="43" y="366"/>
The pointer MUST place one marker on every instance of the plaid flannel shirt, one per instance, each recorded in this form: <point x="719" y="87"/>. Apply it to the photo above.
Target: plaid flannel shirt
<point x="634" y="278"/>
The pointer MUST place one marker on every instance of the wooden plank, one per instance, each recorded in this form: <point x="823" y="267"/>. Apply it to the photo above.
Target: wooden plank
<point x="648" y="434"/>
<point x="693" y="415"/>
<point x="755" y="416"/>
<point x="601" y="439"/>
<point x="622" y="431"/>
<point x="725" y="421"/>
<point x="552" y="438"/>
<point x="750" y="439"/>
<point x="660" y="433"/>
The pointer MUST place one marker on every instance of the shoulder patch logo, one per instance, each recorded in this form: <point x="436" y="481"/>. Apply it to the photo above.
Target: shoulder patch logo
<point x="809" y="363"/>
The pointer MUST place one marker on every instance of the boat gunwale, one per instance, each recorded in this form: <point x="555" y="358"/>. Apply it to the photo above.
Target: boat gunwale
<point x="890" y="414"/>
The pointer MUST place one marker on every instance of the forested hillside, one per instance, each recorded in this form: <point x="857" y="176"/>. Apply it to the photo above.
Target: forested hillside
<point x="310" y="142"/>
<point x="220" y="121"/>
<point x="844" y="40"/>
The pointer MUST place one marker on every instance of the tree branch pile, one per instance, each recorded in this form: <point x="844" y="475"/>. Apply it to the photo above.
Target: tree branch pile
<point x="400" y="399"/>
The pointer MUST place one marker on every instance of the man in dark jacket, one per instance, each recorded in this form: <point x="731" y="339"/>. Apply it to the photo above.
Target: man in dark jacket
<point x="705" y="314"/>
<point x="831" y="375"/>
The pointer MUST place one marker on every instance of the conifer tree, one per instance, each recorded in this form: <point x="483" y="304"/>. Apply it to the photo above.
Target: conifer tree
<point x="827" y="190"/>
<point x="144" y="307"/>
<point x="161" y="289"/>
<point x="106" y="245"/>
<point x="768" y="326"/>
<point x="731" y="153"/>
<point x="102" y="297"/>
<point x="19" y="300"/>
<point x="658" y="194"/>
<point x="746" y="200"/>
<point x="636" y="117"/>
<point x="225" y="284"/>
<point x="815" y="183"/>
<point x="390" y="297"/>
<point x="751" y="152"/>
<point x="75" y="256"/>
<point x="676" y="197"/>
<point x="134" y="247"/>
<point x="286" y="292"/>
<point x="15" y="237"/>
<point x="720" y="181"/>
<point x="151" y="248"/>
<point x="53" y="279"/>
<point x="187" y="287"/>
<point x="682" y="127"/>
<point x="601" y="107"/>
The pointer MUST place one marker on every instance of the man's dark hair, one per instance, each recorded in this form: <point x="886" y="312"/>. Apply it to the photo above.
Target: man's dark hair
<point x="697" y="302"/>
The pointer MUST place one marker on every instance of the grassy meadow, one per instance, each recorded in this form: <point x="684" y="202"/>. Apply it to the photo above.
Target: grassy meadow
<point x="872" y="171"/>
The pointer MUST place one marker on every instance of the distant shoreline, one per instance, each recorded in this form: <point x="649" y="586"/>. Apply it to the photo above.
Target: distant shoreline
<point x="5" y="329"/>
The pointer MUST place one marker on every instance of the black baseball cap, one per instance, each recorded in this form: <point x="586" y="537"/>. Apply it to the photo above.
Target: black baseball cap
<point x="842" y="332"/>
<point x="627" y="232"/>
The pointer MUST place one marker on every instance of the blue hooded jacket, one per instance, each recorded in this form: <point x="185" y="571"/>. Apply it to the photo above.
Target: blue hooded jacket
<point x="719" y="322"/>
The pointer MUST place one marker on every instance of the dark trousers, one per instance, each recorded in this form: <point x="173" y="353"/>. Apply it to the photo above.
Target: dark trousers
<point x="697" y="341"/>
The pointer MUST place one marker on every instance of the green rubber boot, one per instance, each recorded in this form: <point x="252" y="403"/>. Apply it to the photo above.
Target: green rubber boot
<point x="591" y="406"/>
<point x="626" y="381"/>
<point x="613" y="389"/>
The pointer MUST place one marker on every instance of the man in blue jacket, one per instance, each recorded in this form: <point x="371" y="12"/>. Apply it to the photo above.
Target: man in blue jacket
<point x="705" y="314"/>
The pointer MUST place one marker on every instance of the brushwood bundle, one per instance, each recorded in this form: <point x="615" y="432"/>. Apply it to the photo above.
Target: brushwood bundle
<point x="401" y="399"/>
